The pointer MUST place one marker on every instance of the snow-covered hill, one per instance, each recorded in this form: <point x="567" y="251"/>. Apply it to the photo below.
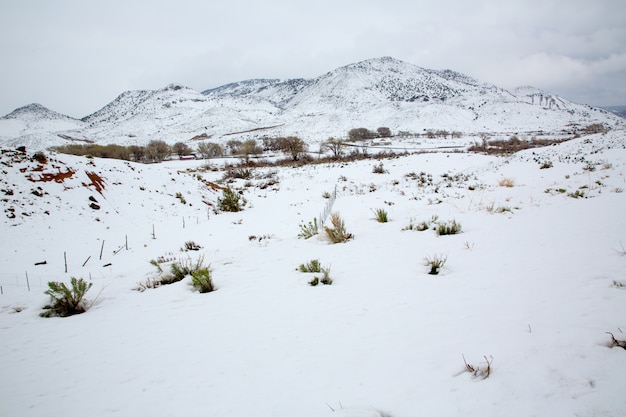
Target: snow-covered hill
<point x="373" y="93"/>
<point x="529" y="290"/>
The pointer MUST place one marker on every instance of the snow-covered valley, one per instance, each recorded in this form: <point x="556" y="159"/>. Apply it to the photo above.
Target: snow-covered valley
<point x="529" y="290"/>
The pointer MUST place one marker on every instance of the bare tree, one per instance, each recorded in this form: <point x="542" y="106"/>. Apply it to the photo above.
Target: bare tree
<point x="333" y="145"/>
<point x="248" y="148"/>
<point x="210" y="149"/>
<point x="361" y="133"/>
<point x="293" y="146"/>
<point x="157" y="150"/>
<point x="384" y="132"/>
<point x="181" y="149"/>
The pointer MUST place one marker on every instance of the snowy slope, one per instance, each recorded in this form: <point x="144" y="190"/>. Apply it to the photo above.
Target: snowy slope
<point x="532" y="285"/>
<point x="373" y="93"/>
<point x="34" y="126"/>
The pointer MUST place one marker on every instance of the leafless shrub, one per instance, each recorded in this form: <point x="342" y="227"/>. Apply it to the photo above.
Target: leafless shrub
<point x="615" y="342"/>
<point x="506" y="182"/>
<point x="482" y="371"/>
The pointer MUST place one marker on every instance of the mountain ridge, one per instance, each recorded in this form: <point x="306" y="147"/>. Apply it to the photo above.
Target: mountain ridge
<point x="370" y="93"/>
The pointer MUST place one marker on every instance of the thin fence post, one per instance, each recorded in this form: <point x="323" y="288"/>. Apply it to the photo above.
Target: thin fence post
<point x="101" y="249"/>
<point x="27" y="282"/>
<point x="126" y="242"/>
<point x="65" y="258"/>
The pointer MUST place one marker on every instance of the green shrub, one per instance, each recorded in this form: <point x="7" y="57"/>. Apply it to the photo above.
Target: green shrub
<point x="379" y="169"/>
<point x="308" y="230"/>
<point x="420" y="227"/>
<point x="436" y="262"/>
<point x="450" y="228"/>
<point x="577" y="194"/>
<point x="312" y="266"/>
<point x="231" y="201"/>
<point x="181" y="268"/>
<point x="202" y="280"/>
<point x="337" y="233"/>
<point x="381" y="215"/>
<point x="178" y="271"/>
<point x="239" y="173"/>
<point x="326" y="279"/>
<point x="66" y="301"/>
<point x="181" y="198"/>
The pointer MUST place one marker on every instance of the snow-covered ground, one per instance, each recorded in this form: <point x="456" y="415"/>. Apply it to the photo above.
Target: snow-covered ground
<point x="531" y="285"/>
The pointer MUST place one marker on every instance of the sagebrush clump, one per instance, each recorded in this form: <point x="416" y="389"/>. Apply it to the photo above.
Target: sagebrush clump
<point x="308" y="230"/>
<point x="312" y="266"/>
<point x="449" y="228"/>
<point x="178" y="270"/>
<point x="381" y="215"/>
<point x="231" y="201"/>
<point x="66" y="301"/>
<point x="202" y="279"/>
<point x="435" y="262"/>
<point x="337" y="233"/>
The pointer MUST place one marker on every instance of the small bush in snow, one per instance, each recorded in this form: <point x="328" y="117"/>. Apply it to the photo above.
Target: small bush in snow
<point x="449" y="228"/>
<point x="239" y="173"/>
<point x="420" y="227"/>
<point x="615" y="342"/>
<point x="326" y="279"/>
<point x="202" y="280"/>
<point x="479" y="371"/>
<point x="40" y="157"/>
<point x="312" y="266"/>
<point x="231" y="201"/>
<point x="379" y="169"/>
<point x="381" y="216"/>
<point x="577" y="194"/>
<point x="66" y="301"/>
<point x="191" y="245"/>
<point x="436" y="263"/>
<point x="506" y="182"/>
<point x="337" y="233"/>
<point x="181" y="268"/>
<point x="180" y="197"/>
<point x="308" y="230"/>
<point x="178" y="271"/>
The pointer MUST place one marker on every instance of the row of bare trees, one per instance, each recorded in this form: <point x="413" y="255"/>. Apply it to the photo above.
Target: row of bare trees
<point x="159" y="150"/>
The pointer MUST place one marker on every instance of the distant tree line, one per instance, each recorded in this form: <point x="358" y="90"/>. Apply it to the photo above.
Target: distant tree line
<point x="432" y="134"/>
<point x="159" y="150"/>
<point x="362" y="133"/>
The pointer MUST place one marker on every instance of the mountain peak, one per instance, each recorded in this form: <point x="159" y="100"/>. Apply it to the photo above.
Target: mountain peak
<point x="35" y="110"/>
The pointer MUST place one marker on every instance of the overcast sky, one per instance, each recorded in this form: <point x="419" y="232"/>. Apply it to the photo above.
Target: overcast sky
<point x="75" y="56"/>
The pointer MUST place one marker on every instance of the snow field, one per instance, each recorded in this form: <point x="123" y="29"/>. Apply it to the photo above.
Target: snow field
<point x="530" y="288"/>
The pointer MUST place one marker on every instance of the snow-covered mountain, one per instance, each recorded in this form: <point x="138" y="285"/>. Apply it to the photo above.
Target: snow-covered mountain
<point x="372" y="93"/>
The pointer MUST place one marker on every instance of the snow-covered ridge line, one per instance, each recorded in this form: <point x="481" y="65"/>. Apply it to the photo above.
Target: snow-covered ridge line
<point x="372" y="93"/>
